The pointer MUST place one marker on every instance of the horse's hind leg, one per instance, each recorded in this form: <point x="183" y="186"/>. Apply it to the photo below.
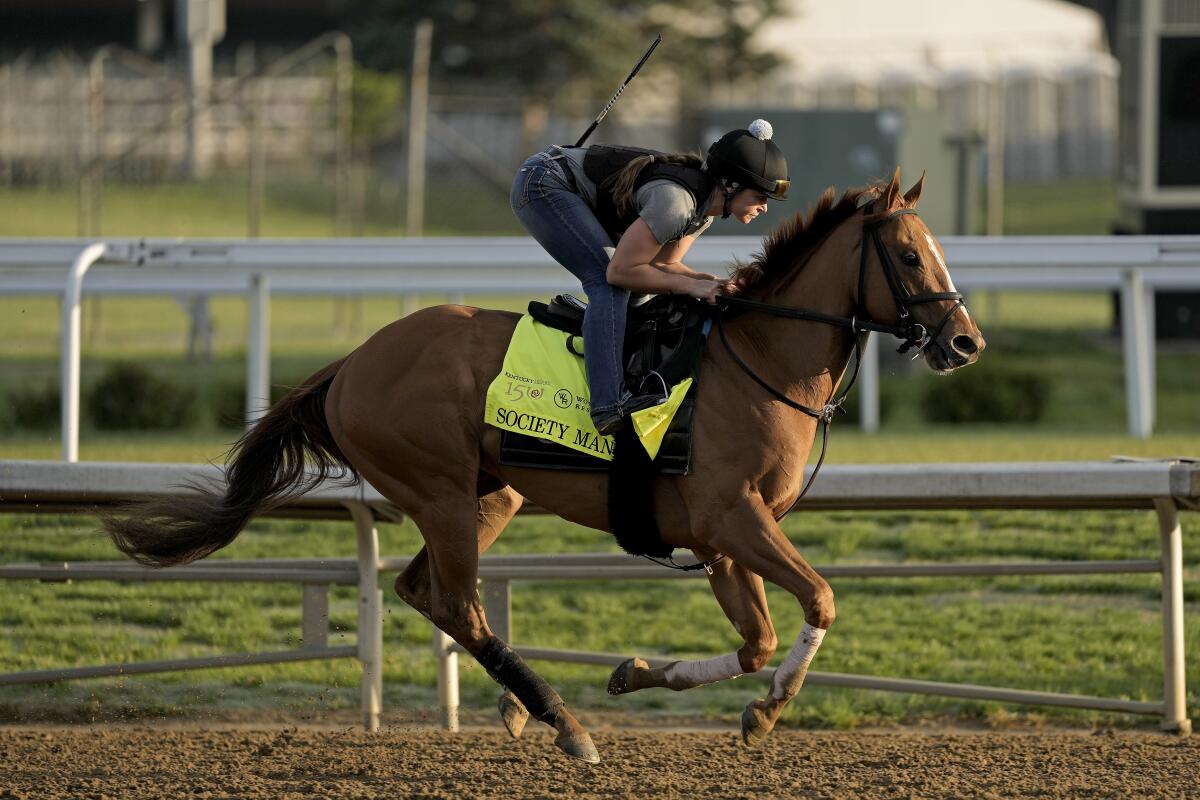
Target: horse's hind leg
<point x="496" y="510"/>
<point x="744" y="601"/>
<point x="449" y="526"/>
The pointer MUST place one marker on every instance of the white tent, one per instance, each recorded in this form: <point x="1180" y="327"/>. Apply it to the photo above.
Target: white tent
<point x="1049" y="59"/>
<point x="867" y="38"/>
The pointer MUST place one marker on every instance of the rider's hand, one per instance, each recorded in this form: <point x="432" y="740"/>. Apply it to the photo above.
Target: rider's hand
<point x="706" y="290"/>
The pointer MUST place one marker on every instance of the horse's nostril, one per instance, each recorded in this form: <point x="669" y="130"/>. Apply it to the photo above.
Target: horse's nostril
<point x="963" y="344"/>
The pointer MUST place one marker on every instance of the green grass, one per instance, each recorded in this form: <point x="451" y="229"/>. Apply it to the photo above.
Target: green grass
<point x="328" y="327"/>
<point x="300" y="203"/>
<point x="1083" y="208"/>
<point x="295" y="206"/>
<point x="847" y="446"/>
<point x="1052" y="634"/>
<point x="317" y="328"/>
<point x="1074" y="352"/>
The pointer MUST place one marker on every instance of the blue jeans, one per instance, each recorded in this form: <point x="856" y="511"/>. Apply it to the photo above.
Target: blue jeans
<point x="546" y="203"/>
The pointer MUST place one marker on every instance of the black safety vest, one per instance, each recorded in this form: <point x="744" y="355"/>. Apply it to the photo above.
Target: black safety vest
<point x="602" y="163"/>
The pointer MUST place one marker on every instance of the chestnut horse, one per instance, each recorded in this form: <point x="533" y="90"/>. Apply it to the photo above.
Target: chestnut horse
<point x="405" y="412"/>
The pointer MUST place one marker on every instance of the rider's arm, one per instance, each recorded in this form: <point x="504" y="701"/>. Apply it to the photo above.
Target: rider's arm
<point x="670" y="258"/>
<point x="635" y="266"/>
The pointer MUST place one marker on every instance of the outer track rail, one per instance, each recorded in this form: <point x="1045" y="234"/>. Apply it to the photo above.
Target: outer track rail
<point x="1133" y="266"/>
<point x="1164" y="487"/>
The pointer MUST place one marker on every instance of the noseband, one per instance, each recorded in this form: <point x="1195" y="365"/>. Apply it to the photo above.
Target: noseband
<point x="908" y="330"/>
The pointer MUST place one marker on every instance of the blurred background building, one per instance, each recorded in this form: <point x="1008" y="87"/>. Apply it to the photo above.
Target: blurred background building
<point x="1051" y="60"/>
<point x="259" y="92"/>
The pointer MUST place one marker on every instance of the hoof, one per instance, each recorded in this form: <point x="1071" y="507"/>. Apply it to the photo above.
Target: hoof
<point x="619" y="682"/>
<point x="578" y="745"/>
<point x="513" y="714"/>
<point x="755" y="726"/>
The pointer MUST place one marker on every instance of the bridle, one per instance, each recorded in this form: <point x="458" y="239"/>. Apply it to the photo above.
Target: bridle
<point x="912" y="332"/>
<point x="908" y="330"/>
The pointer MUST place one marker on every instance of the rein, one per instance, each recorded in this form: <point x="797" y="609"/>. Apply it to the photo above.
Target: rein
<point x="912" y="333"/>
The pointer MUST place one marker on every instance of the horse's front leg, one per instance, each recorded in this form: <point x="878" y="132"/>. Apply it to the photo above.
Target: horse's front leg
<point x="741" y="596"/>
<point x="749" y="534"/>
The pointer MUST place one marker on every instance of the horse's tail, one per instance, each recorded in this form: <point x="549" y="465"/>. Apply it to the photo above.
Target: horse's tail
<point x="266" y="465"/>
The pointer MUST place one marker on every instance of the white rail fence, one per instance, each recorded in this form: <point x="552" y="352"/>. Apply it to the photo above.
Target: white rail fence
<point x="1164" y="487"/>
<point x="1134" y="266"/>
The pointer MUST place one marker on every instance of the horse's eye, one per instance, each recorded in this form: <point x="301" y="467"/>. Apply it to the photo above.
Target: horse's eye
<point x="910" y="259"/>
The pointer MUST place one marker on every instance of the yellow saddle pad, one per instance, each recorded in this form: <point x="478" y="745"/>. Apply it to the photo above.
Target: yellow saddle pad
<point x="542" y="391"/>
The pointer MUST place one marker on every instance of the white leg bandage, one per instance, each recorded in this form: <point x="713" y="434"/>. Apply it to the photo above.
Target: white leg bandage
<point x="790" y="675"/>
<point x="687" y="674"/>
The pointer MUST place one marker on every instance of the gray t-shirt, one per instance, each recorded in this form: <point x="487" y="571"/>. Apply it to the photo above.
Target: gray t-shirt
<point x="667" y="208"/>
<point x="670" y="211"/>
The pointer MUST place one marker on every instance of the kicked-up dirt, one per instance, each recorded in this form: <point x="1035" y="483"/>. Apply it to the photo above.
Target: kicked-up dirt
<point x="118" y="761"/>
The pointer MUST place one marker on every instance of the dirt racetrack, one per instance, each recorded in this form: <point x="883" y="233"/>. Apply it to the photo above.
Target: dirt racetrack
<point x="119" y="761"/>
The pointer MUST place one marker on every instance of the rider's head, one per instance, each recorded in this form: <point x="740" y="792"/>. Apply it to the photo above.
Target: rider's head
<point x="748" y="168"/>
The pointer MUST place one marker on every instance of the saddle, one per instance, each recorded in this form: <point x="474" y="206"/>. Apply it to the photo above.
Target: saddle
<point x="664" y="343"/>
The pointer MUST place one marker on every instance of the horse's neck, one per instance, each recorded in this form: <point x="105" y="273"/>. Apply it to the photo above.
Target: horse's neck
<point x="805" y="359"/>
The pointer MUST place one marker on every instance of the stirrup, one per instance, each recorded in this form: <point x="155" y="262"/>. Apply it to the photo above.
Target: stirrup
<point x="641" y="402"/>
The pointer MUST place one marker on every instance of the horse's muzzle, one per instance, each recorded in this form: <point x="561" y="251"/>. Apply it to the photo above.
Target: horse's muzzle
<point x="946" y="354"/>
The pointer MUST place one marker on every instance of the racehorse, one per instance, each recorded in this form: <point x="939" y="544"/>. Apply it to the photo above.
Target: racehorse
<point x="405" y="412"/>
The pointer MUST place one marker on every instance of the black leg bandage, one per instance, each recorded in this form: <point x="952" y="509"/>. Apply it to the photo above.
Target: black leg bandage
<point x="507" y="668"/>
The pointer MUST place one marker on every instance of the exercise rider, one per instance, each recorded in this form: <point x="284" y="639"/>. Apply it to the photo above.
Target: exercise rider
<point x="578" y="202"/>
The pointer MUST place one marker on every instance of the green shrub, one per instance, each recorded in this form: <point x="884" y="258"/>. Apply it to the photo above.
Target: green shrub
<point x="32" y="408"/>
<point x="129" y="396"/>
<point x="986" y="394"/>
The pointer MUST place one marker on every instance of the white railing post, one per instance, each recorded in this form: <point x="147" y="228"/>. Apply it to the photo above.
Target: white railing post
<point x="868" y="386"/>
<point x="1136" y="347"/>
<point x="70" y="349"/>
<point x="370" y="615"/>
<point x="315" y="619"/>
<point x="1151" y="356"/>
<point x="1174" y="685"/>
<point x="497" y="604"/>
<point x="418" y="117"/>
<point x="258" y="349"/>
<point x="447" y="678"/>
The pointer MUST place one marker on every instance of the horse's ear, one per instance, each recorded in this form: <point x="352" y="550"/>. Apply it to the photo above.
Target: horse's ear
<point x="914" y="194"/>
<point x="892" y="192"/>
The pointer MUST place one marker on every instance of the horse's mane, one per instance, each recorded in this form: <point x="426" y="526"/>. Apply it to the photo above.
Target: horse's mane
<point x="796" y="238"/>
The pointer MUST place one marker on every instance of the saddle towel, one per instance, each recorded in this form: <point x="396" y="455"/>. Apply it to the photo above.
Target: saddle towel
<point x="541" y="391"/>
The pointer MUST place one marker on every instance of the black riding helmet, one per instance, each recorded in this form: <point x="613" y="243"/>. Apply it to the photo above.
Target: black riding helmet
<point x="747" y="158"/>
